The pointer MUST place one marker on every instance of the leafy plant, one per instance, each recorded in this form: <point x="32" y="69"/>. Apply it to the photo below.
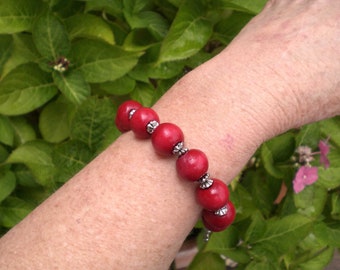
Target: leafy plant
<point x="66" y="65"/>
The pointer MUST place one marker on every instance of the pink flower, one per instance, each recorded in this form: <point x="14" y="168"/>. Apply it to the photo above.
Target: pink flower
<point x="324" y="150"/>
<point x="305" y="176"/>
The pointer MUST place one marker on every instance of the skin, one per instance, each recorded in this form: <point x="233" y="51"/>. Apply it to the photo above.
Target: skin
<point x="127" y="209"/>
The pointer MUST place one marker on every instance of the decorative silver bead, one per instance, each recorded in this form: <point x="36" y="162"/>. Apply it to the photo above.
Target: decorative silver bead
<point x="152" y="125"/>
<point x="179" y="149"/>
<point x="205" y="181"/>
<point x="131" y="113"/>
<point x="206" y="235"/>
<point x="222" y="211"/>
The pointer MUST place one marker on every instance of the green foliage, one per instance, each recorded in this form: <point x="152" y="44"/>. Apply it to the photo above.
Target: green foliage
<point x="65" y="65"/>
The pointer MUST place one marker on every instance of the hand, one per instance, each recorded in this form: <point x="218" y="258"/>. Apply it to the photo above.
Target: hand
<point x="297" y="42"/>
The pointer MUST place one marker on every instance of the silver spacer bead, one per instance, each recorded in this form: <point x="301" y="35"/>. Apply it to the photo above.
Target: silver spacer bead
<point x="131" y="113"/>
<point x="151" y="126"/>
<point x="206" y="235"/>
<point x="222" y="211"/>
<point x="179" y="149"/>
<point x="205" y="181"/>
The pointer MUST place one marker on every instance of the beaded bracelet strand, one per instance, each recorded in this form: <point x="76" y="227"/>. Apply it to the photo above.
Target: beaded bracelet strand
<point x="191" y="165"/>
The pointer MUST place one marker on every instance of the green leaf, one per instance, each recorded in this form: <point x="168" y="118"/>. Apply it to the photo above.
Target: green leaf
<point x="150" y="20"/>
<point x="310" y="243"/>
<point x="7" y="132"/>
<point x="166" y="70"/>
<point x="288" y="205"/>
<point x="34" y="195"/>
<point x="176" y="3"/>
<point x="89" y="26"/>
<point x="23" y="131"/>
<point x="54" y="121"/>
<point x="135" y="6"/>
<point x="250" y="6"/>
<point x="13" y="210"/>
<point x="25" y="89"/>
<point x="139" y="40"/>
<point x="282" y="147"/>
<point x="189" y="32"/>
<point x="112" y="7"/>
<point x="196" y="60"/>
<point x="66" y="8"/>
<point x="144" y="94"/>
<point x="328" y="233"/>
<point x="319" y="259"/>
<point x="267" y="157"/>
<point x="256" y="229"/>
<point x="309" y="135"/>
<point x="227" y="29"/>
<point x="329" y="178"/>
<point x="140" y="73"/>
<point x="330" y="128"/>
<point x="166" y="8"/>
<point x="7" y="183"/>
<point x="110" y="135"/>
<point x="6" y="48"/>
<point x="335" y="213"/>
<point x="207" y="260"/>
<point x="37" y="156"/>
<point x="311" y="200"/>
<point x="120" y="33"/>
<point x="73" y="85"/>
<point x="3" y="153"/>
<point x="334" y="156"/>
<point x="226" y="243"/>
<point x="155" y="23"/>
<point x="69" y="158"/>
<point x="24" y="176"/>
<point x="91" y="120"/>
<point x="17" y="16"/>
<point x="243" y="202"/>
<point x="52" y="3"/>
<point x="50" y="37"/>
<point x="261" y="265"/>
<point x="101" y="62"/>
<point x="282" y="234"/>
<point x="23" y="51"/>
<point x="263" y="188"/>
<point x="121" y="86"/>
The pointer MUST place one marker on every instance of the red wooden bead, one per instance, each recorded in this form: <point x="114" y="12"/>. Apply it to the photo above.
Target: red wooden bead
<point x="139" y="121"/>
<point x="192" y="165"/>
<point x="218" y="223"/>
<point x="123" y="114"/>
<point x="165" y="137"/>
<point x="214" y="197"/>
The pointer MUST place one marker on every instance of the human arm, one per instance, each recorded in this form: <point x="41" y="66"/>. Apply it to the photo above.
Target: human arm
<point x="128" y="209"/>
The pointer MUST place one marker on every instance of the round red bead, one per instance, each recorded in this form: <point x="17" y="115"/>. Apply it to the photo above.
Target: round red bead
<point x="218" y="223"/>
<point x="139" y="121"/>
<point x="165" y="137"/>
<point x="192" y="165"/>
<point x="122" y="120"/>
<point x="214" y="197"/>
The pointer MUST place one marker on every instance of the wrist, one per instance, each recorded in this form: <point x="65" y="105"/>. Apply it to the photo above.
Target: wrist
<point x="222" y="114"/>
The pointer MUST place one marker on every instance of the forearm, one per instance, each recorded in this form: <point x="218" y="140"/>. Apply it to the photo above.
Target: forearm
<point x="128" y="209"/>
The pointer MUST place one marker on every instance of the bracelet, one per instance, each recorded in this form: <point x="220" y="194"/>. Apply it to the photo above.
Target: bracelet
<point x="192" y="165"/>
